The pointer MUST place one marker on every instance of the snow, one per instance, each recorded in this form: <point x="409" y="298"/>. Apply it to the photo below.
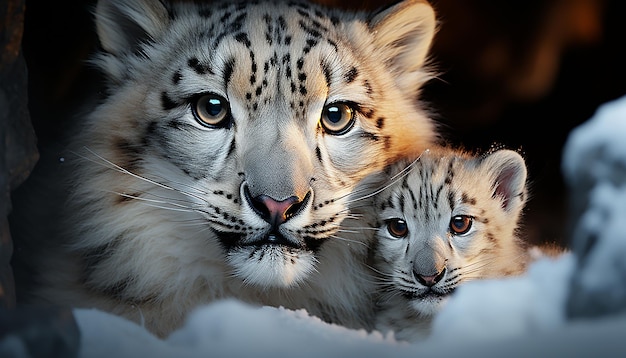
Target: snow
<point x="573" y="306"/>
<point x="507" y="308"/>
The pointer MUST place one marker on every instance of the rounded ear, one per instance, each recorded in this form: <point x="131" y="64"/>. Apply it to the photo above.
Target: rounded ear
<point x="507" y="172"/>
<point x="124" y="24"/>
<point x="403" y="34"/>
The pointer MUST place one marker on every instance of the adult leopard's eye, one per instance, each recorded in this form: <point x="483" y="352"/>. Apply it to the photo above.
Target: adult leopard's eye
<point x="397" y="228"/>
<point x="212" y="111"/>
<point x="461" y="224"/>
<point x="337" y="118"/>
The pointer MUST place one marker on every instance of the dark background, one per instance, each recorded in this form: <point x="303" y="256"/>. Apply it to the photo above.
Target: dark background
<point x="518" y="73"/>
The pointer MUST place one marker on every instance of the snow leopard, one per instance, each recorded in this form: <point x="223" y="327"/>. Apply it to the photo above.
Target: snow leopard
<point x="222" y="156"/>
<point x="448" y="217"/>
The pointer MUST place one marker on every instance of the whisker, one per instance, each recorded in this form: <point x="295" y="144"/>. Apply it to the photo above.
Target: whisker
<point x="350" y="240"/>
<point x="394" y="179"/>
<point x="120" y="169"/>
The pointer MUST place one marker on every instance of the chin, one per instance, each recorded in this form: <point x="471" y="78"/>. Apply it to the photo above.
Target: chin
<point x="271" y="265"/>
<point x="429" y="305"/>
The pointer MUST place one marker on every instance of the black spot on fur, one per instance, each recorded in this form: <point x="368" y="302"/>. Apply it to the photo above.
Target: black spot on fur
<point x="371" y="136"/>
<point x="166" y="102"/>
<point x="351" y="75"/>
<point x="225" y="17"/>
<point x="369" y="113"/>
<point x="368" y="87"/>
<point x="318" y="154"/>
<point x="326" y="71"/>
<point x="467" y="200"/>
<point x="380" y="122"/>
<point x="450" y="174"/>
<point x="387" y="141"/>
<point x="228" y="70"/>
<point x="333" y="44"/>
<point x="176" y="124"/>
<point x="195" y="64"/>
<point x="177" y="77"/>
<point x="243" y="38"/>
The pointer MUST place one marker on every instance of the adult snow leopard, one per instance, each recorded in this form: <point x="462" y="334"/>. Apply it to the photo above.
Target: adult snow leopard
<point x="447" y="218"/>
<point x="221" y="161"/>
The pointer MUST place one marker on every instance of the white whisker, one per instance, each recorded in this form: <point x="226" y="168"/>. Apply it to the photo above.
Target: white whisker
<point x="394" y="179"/>
<point x="122" y="170"/>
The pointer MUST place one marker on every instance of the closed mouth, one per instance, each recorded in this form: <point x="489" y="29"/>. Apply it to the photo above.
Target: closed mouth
<point x="231" y="240"/>
<point x="428" y="293"/>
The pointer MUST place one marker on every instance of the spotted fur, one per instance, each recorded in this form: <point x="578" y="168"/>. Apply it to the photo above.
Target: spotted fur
<point x="221" y="160"/>
<point x="448" y="218"/>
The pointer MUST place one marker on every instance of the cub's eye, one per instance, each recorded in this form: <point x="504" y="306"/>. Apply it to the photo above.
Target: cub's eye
<point x="337" y="118"/>
<point x="212" y="111"/>
<point x="461" y="224"/>
<point x="397" y="228"/>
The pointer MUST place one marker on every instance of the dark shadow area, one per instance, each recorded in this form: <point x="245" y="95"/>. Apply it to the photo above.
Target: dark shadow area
<point x="520" y="74"/>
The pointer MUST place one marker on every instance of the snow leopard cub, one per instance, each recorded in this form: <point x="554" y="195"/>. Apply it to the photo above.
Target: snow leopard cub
<point x="221" y="160"/>
<point x="447" y="218"/>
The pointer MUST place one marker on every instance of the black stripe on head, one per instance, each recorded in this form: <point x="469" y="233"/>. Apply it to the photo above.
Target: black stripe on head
<point x="450" y="175"/>
<point x="327" y="75"/>
<point x="401" y="202"/>
<point x="228" y="71"/>
<point x="451" y="200"/>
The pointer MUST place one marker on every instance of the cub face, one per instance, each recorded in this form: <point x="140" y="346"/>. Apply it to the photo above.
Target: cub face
<point x="448" y="218"/>
<point x="235" y="132"/>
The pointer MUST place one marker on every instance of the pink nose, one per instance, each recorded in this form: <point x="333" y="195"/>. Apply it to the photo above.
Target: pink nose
<point x="430" y="280"/>
<point x="273" y="211"/>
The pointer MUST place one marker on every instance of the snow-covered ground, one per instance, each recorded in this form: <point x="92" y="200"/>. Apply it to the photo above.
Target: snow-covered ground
<point x="573" y="306"/>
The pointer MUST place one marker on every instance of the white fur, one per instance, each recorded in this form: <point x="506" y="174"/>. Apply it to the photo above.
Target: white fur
<point x="151" y="190"/>
<point x="440" y="185"/>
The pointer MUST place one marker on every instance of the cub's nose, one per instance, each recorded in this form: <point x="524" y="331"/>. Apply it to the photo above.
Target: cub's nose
<point x="429" y="280"/>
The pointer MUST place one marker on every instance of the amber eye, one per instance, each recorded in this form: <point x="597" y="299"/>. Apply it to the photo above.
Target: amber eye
<point x="397" y="228"/>
<point x="461" y="224"/>
<point x="212" y="111"/>
<point x="337" y="118"/>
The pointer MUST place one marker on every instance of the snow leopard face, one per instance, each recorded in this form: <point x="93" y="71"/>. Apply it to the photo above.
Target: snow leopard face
<point x="232" y="135"/>
<point x="449" y="217"/>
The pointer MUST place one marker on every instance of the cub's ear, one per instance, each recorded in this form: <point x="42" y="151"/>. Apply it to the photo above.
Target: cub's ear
<point x="507" y="171"/>
<point x="403" y="34"/>
<point x="122" y="25"/>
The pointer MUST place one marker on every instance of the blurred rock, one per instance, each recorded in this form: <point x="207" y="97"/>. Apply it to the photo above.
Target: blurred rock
<point x="46" y="332"/>
<point x="18" y="151"/>
<point x="594" y="166"/>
